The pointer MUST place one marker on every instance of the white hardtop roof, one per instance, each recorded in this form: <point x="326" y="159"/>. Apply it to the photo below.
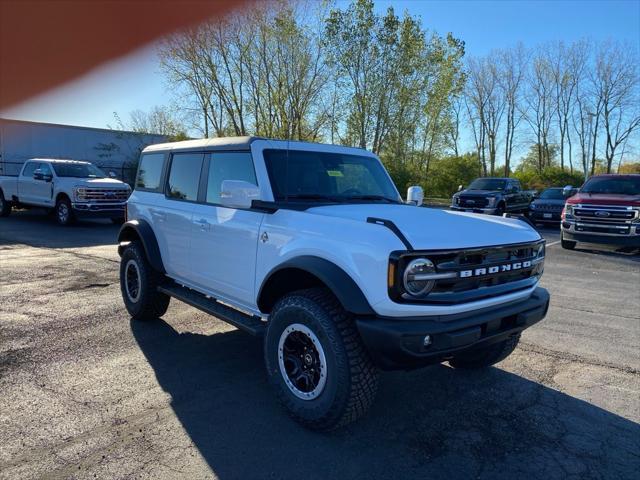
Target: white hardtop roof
<point x="56" y="160"/>
<point x="241" y="143"/>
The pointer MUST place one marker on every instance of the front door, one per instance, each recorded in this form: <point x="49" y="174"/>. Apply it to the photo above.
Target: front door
<point x="42" y="190"/>
<point x="224" y="240"/>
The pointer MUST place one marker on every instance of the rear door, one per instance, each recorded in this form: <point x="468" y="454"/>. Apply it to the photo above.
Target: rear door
<point x="224" y="240"/>
<point x="172" y="216"/>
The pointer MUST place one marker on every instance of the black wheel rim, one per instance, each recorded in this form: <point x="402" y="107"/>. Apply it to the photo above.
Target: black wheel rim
<point x="302" y="362"/>
<point x="132" y="280"/>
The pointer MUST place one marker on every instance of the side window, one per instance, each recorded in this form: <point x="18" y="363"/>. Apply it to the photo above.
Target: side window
<point x="150" y="171"/>
<point x="45" y="169"/>
<point x="184" y="176"/>
<point x="228" y="166"/>
<point x="516" y="185"/>
<point x="30" y="168"/>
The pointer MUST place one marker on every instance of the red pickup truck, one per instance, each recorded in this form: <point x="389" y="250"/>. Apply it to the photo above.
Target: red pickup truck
<point x="606" y="210"/>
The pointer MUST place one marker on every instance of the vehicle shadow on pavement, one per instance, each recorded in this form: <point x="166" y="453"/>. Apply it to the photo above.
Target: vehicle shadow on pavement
<point x="37" y="229"/>
<point x="436" y="423"/>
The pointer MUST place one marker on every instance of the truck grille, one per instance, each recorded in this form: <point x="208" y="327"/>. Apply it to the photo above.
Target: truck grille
<point x="482" y="272"/>
<point x="472" y="202"/>
<point x="103" y="195"/>
<point x="607" y="219"/>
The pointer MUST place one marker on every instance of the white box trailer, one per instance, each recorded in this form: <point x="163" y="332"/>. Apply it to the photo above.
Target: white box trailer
<point x="112" y="150"/>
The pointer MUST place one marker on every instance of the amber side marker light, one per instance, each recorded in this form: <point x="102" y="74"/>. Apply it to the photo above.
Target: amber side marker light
<point x="391" y="275"/>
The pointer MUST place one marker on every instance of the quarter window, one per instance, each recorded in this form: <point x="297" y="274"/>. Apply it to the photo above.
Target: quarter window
<point x="184" y="176"/>
<point x="228" y="166"/>
<point x="150" y="171"/>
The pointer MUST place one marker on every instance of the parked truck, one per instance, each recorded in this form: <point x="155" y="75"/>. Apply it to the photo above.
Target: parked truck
<point x="71" y="188"/>
<point x="493" y="196"/>
<point x="606" y="210"/>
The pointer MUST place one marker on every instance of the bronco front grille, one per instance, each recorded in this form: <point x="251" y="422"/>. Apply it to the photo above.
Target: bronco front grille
<point x="480" y="272"/>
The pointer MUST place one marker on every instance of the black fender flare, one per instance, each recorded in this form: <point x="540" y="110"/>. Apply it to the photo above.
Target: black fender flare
<point x="140" y="229"/>
<point x="335" y="278"/>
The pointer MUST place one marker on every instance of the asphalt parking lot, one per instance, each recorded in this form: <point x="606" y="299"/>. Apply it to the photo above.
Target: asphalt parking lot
<point x="86" y="393"/>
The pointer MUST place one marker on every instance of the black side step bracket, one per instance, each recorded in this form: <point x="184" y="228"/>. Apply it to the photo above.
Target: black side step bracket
<point x="249" y="323"/>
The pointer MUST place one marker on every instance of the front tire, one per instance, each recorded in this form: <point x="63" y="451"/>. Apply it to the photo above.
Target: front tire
<point x="487" y="356"/>
<point x="316" y="361"/>
<point x="64" y="212"/>
<point x="500" y="210"/>
<point x="5" y="206"/>
<point x="139" y="285"/>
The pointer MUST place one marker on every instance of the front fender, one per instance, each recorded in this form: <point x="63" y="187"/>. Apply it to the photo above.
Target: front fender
<point x="140" y="230"/>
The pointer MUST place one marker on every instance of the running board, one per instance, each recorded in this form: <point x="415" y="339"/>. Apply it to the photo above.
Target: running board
<point x="249" y="323"/>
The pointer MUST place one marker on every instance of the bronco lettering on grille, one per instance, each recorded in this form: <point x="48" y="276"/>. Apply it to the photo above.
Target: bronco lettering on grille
<point x="478" y="272"/>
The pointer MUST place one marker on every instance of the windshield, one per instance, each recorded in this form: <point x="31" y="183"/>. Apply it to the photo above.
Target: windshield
<point x="613" y="185"/>
<point x="552" y="194"/>
<point x="487" y="184"/>
<point x="78" y="170"/>
<point x="322" y="176"/>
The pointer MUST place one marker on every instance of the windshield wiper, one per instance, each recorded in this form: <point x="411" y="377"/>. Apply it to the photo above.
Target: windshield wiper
<point x="309" y="196"/>
<point x="372" y="197"/>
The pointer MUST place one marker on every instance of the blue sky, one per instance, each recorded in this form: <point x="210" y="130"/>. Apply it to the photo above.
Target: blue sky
<point x="135" y="82"/>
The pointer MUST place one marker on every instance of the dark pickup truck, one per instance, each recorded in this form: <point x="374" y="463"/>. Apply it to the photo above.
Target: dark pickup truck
<point x="493" y="196"/>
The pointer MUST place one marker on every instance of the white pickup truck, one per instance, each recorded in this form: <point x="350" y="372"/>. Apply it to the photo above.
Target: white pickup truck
<point x="71" y="188"/>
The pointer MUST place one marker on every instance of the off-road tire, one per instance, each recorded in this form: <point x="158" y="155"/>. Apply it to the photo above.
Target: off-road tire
<point x="149" y="304"/>
<point x="63" y="212"/>
<point x="567" y="244"/>
<point x="351" y="377"/>
<point x="500" y="209"/>
<point x="5" y="206"/>
<point x="485" y="357"/>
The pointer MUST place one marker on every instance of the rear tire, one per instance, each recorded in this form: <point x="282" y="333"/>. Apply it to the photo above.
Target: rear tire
<point x="139" y="285"/>
<point x="487" y="356"/>
<point x="64" y="212"/>
<point x="5" y="206"/>
<point x="567" y="244"/>
<point x="316" y="361"/>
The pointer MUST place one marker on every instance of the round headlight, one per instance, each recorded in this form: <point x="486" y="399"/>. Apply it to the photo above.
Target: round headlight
<point x="413" y="284"/>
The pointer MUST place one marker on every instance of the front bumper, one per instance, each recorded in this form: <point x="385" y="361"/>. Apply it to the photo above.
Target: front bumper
<point x="97" y="210"/>
<point x="398" y="343"/>
<point x="487" y="211"/>
<point x="570" y="231"/>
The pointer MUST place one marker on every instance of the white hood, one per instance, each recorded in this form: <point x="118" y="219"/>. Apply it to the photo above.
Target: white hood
<point x="430" y="228"/>
<point x="100" y="182"/>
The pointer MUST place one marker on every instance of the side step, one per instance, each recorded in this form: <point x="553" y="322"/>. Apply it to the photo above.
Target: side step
<point x="249" y="323"/>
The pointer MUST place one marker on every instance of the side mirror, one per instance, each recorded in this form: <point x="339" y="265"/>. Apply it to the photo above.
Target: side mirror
<point x="238" y="193"/>
<point x="38" y="175"/>
<point x="460" y="188"/>
<point x="567" y="191"/>
<point x="415" y="195"/>
<point x="112" y="175"/>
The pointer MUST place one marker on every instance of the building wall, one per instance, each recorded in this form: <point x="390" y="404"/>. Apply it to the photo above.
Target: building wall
<point x="110" y="149"/>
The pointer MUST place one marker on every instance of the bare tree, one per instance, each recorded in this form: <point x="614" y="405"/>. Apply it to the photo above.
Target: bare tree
<point x="615" y="82"/>
<point x="510" y="79"/>
<point x="567" y="66"/>
<point x="539" y="108"/>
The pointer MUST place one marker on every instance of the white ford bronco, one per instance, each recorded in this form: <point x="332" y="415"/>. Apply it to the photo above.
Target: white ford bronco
<point x="311" y="247"/>
<point x="70" y="188"/>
